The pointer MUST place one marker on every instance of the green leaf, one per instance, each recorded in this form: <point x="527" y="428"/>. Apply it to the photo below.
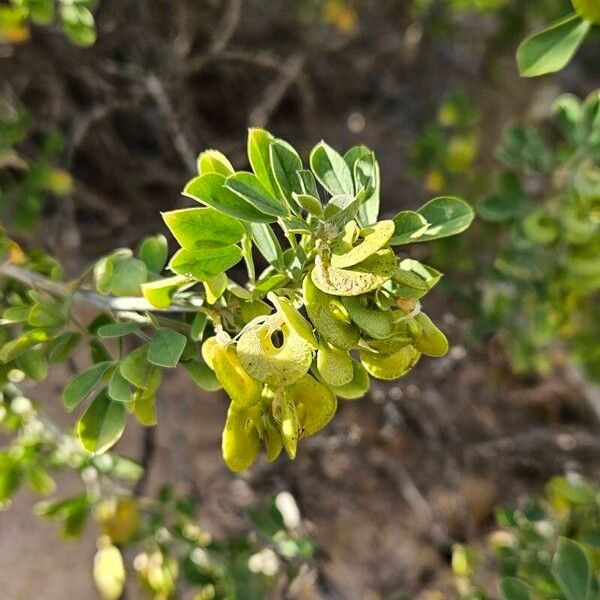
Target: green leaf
<point x="331" y="170"/>
<point x="154" y="251"/>
<point x="248" y="187"/>
<point x="102" y="424"/>
<point x="285" y="163"/>
<point x="62" y="347"/>
<point x="206" y="263"/>
<point x="512" y="588"/>
<point x="413" y="279"/>
<point x="310" y="204"/>
<point x="160" y="293"/>
<point x="113" y="330"/>
<point x="365" y="171"/>
<point x="39" y="480"/>
<point x="410" y="226"/>
<point x="259" y="143"/>
<point x="342" y="208"/>
<point x="127" y="277"/>
<point x="34" y="364"/>
<point x="10" y="476"/>
<point x="98" y="352"/>
<point x="166" y="348"/>
<point x="551" y="49"/>
<point x="196" y="228"/>
<point x="198" y="326"/>
<point x="43" y="316"/>
<point x="213" y="161"/>
<point x="109" y="572"/>
<point x="16" y="314"/>
<point x="136" y="368"/>
<point x="268" y="245"/>
<point x="15" y="348"/>
<point x="79" y="388"/>
<point x="571" y="569"/>
<point x="118" y="387"/>
<point x="215" y="286"/>
<point x="308" y="183"/>
<point x="210" y="189"/>
<point x="202" y="375"/>
<point x="446" y="216"/>
<point x="144" y="409"/>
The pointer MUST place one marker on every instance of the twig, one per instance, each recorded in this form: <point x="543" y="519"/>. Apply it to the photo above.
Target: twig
<point x="182" y="145"/>
<point x="148" y="452"/>
<point x="113" y="304"/>
<point x="275" y="92"/>
<point x="219" y="41"/>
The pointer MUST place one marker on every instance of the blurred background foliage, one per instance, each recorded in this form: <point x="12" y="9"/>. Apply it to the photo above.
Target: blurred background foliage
<point x="104" y="107"/>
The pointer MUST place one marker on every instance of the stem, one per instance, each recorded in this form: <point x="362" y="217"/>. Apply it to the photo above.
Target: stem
<point x="111" y="304"/>
<point x="248" y="259"/>
<point x="290" y="236"/>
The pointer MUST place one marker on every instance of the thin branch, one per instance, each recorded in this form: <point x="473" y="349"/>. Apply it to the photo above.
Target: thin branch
<point x="220" y="40"/>
<point x="112" y="304"/>
<point x="183" y="146"/>
<point x="276" y="91"/>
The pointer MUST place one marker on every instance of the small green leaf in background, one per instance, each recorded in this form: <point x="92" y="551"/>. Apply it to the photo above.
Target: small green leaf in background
<point x="113" y="330"/>
<point x="249" y="187"/>
<point x="102" y="424"/>
<point x="82" y="385"/>
<point x="507" y="203"/>
<point x="109" y="572"/>
<point x="259" y="143"/>
<point x="213" y="161"/>
<point x="571" y="569"/>
<point x="512" y="588"/>
<point x="166" y="348"/>
<point x="16" y="347"/>
<point x="206" y="263"/>
<point x="268" y="245"/>
<point x="60" y="348"/>
<point x="549" y="50"/>
<point x="34" y="364"/>
<point x="331" y="170"/>
<point x="210" y="189"/>
<point x="77" y="22"/>
<point x="195" y="228"/>
<point x="154" y="251"/>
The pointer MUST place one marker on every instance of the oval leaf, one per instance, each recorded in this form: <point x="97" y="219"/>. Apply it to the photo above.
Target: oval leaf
<point x="81" y="386"/>
<point x="102" y="424"/>
<point x="549" y="50"/>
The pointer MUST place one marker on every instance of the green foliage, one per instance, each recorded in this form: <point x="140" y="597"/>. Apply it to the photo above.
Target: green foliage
<point x="551" y="49"/>
<point x="542" y="295"/>
<point x="445" y="153"/>
<point x="154" y="539"/>
<point x="75" y="19"/>
<point x="547" y="551"/>
<point x="26" y="182"/>
<point x="332" y="305"/>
